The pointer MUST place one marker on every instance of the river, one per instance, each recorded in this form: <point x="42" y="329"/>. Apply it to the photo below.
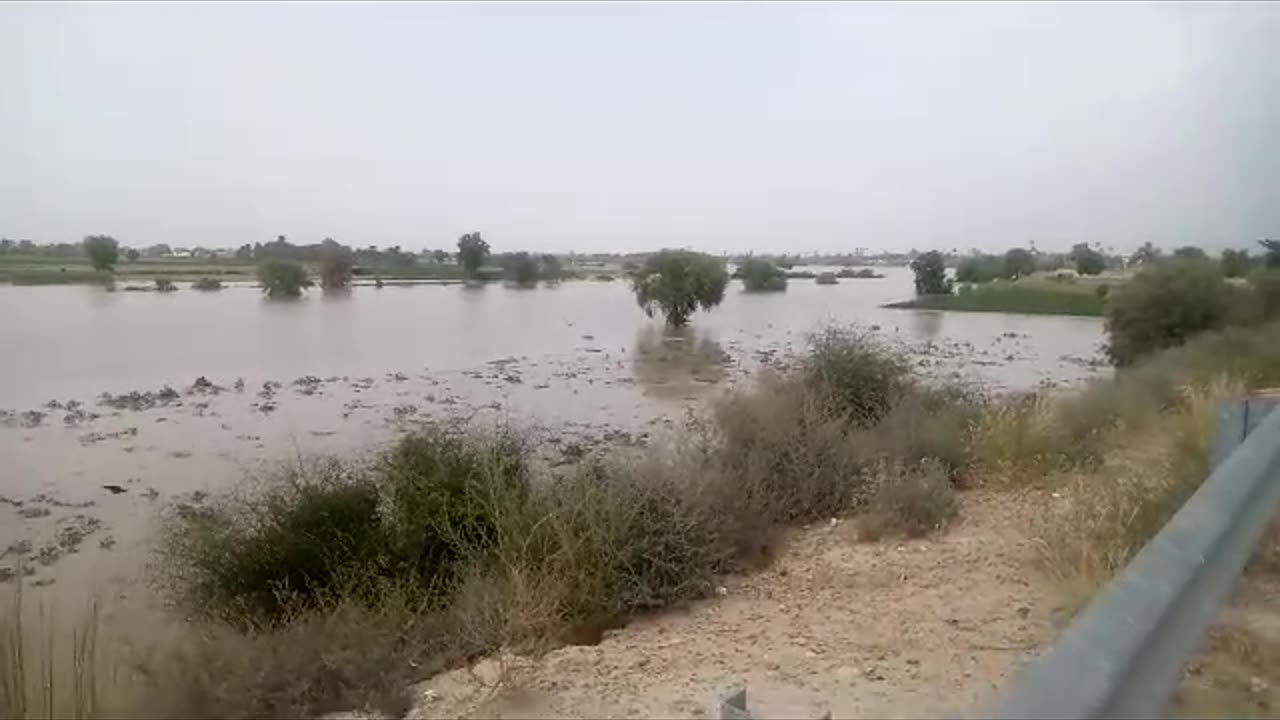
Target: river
<point x="258" y="381"/>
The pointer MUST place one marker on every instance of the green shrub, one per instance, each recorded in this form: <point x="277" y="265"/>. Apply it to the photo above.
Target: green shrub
<point x="165" y="285"/>
<point x="306" y="536"/>
<point x="827" y="278"/>
<point x="283" y="278"/>
<point x="207" y="284"/>
<point x="441" y="484"/>
<point x="1163" y="306"/>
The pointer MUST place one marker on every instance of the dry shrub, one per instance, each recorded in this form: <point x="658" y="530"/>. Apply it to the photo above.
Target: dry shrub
<point x="1103" y="516"/>
<point x="909" y="501"/>
<point x="926" y="423"/>
<point x="340" y="655"/>
<point x="790" y="451"/>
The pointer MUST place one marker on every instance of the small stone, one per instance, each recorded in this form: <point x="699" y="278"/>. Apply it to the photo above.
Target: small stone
<point x="1023" y="612"/>
<point x="722" y="591"/>
<point x="1257" y="685"/>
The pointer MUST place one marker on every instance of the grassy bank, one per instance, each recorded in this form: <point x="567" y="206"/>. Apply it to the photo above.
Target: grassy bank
<point x="1038" y="297"/>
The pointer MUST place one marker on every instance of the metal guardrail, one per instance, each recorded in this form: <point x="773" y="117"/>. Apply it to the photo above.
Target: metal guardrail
<point x="1123" y="656"/>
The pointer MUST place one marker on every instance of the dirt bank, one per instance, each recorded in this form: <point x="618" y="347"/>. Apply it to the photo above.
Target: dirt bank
<point x="889" y="629"/>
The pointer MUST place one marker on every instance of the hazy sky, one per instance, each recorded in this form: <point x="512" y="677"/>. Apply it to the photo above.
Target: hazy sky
<point x="579" y="126"/>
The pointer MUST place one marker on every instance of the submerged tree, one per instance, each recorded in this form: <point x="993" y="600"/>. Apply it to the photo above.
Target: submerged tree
<point x="931" y="274"/>
<point x="283" y="278"/>
<point x="551" y="270"/>
<point x="103" y="251"/>
<point x="473" y="251"/>
<point x="521" y="268"/>
<point x="761" y="275"/>
<point x="337" y="263"/>
<point x="677" y="283"/>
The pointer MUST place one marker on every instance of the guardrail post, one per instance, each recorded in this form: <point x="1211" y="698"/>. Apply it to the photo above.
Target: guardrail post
<point x="734" y="705"/>
<point x="1228" y="430"/>
<point x="1236" y="419"/>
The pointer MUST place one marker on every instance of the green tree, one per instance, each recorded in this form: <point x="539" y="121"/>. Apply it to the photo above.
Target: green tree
<point x="336" y="264"/>
<point x="931" y="274"/>
<point x="679" y="282"/>
<point x="760" y="275"/>
<point x="473" y="251"/>
<point x="1018" y="262"/>
<point x="103" y="251"/>
<point x="978" y="269"/>
<point x="1145" y="255"/>
<point x="1190" y="252"/>
<point x="1163" y="306"/>
<point x="244" y="252"/>
<point x="439" y="255"/>
<point x="1272" y="258"/>
<point x="1235" y="263"/>
<point x="1265" y="283"/>
<point x="1088" y="261"/>
<point x="283" y="278"/>
<point x="132" y="255"/>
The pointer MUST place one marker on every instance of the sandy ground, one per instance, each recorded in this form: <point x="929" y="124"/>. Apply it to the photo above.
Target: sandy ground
<point x="888" y="629"/>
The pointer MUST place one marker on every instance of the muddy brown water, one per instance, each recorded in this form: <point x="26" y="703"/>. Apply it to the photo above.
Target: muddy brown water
<point x="573" y="364"/>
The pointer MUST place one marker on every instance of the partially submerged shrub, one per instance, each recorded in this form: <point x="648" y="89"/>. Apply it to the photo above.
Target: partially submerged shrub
<point x="283" y="278"/>
<point x="826" y="278"/>
<point x="761" y="275"/>
<point x="862" y="376"/>
<point x="207" y="284"/>
<point x="165" y="285"/>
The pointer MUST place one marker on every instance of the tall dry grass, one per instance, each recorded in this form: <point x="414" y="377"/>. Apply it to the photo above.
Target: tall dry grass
<point x="50" y="671"/>
<point x="1102" y="516"/>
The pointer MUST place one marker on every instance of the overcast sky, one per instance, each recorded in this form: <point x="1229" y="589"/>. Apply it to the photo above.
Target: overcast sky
<point x="601" y="127"/>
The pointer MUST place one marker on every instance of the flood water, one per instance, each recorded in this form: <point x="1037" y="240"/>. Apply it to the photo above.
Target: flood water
<point x="575" y="363"/>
